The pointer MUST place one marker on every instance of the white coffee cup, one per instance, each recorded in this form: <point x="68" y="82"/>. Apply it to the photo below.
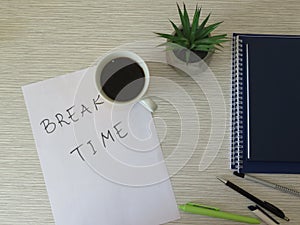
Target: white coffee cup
<point x="140" y="95"/>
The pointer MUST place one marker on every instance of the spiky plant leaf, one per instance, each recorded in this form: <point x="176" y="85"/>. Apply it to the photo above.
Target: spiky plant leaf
<point x="172" y="37"/>
<point x="177" y="30"/>
<point x="210" y="41"/>
<point x="183" y="22"/>
<point x="195" y="23"/>
<point x="187" y="20"/>
<point x="205" y="48"/>
<point x="202" y="25"/>
<point x="187" y="56"/>
<point x="207" y="30"/>
<point x="172" y="46"/>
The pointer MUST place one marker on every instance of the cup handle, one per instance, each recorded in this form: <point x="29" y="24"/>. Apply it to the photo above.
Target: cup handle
<point x="149" y="104"/>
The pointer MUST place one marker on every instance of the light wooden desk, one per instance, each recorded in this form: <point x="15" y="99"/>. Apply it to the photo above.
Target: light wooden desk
<point x="44" y="39"/>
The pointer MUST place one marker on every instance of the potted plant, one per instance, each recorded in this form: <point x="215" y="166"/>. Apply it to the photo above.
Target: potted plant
<point x="192" y="41"/>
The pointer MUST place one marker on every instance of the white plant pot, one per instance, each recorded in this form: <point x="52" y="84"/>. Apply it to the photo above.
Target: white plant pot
<point x="198" y="66"/>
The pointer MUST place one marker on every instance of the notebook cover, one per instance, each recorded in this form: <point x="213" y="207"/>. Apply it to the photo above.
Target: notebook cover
<point x="271" y="103"/>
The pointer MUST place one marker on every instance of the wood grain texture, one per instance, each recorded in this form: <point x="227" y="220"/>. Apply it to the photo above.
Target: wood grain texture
<point x="44" y="39"/>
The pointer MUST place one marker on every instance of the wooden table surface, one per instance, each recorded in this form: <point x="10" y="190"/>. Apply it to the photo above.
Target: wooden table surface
<point x="45" y="39"/>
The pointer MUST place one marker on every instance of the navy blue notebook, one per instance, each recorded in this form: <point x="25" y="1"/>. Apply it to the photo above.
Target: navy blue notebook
<point x="265" y="103"/>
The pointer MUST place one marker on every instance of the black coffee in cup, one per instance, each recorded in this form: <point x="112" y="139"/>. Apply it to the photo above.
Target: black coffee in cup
<point x="122" y="79"/>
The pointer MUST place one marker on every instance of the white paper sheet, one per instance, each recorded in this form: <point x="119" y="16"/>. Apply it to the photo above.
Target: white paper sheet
<point x="102" y="165"/>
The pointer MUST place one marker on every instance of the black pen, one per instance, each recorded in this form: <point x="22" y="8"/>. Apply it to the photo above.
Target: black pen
<point x="266" y="205"/>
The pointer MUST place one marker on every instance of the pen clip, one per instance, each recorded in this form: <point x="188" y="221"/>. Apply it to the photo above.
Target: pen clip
<point x="202" y="206"/>
<point x="266" y="214"/>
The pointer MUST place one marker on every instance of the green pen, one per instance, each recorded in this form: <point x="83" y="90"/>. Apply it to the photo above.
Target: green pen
<point x="215" y="212"/>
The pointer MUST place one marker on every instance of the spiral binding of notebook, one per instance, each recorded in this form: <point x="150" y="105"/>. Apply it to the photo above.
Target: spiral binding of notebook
<point x="237" y="105"/>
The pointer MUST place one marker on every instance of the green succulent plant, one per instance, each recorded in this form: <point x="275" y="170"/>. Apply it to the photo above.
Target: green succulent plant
<point x="193" y="36"/>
